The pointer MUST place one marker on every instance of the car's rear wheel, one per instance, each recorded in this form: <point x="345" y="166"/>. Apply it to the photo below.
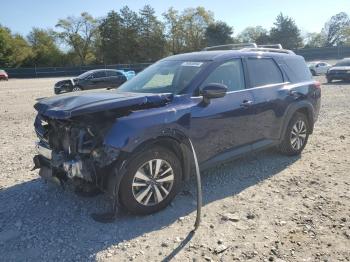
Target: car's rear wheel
<point x="76" y="89"/>
<point x="296" y="136"/>
<point x="151" y="182"/>
<point x="329" y="80"/>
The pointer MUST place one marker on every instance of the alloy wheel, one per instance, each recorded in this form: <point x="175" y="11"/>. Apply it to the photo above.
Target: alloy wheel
<point x="76" y="89"/>
<point x="298" y="135"/>
<point x="153" y="182"/>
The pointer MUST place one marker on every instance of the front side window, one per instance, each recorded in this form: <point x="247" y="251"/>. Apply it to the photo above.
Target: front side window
<point x="229" y="74"/>
<point x="164" y="77"/>
<point x="263" y="71"/>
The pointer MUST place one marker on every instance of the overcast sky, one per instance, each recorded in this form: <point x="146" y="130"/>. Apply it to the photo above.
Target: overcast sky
<point x="310" y="15"/>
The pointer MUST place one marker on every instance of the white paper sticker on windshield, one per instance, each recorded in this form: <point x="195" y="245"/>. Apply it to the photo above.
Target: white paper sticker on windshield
<point x="197" y="64"/>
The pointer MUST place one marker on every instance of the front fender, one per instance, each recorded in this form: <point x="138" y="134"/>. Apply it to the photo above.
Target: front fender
<point x="130" y="131"/>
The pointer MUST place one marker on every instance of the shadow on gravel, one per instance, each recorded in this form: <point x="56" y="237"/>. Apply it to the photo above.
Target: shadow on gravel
<point x="41" y="222"/>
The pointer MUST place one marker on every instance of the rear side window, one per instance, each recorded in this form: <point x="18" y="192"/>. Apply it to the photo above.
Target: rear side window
<point x="113" y="73"/>
<point x="263" y="71"/>
<point x="100" y="74"/>
<point x="297" y="70"/>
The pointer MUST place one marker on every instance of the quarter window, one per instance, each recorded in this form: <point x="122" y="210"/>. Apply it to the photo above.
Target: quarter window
<point x="229" y="73"/>
<point x="263" y="71"/>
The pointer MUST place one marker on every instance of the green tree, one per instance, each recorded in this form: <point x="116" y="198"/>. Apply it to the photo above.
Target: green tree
<point x="174" y="31"/>
<point x="314" y="40"/>
<point x="44" y="48"/>
<point x="257" y="34"/>
<point x="152" y="39"/>
<point x="195" y="22"/>
<point x="14" y="49"/>
<point x="286" y="32"/>
<point x="79" y="33"/>
<point x="218" y="33"/>
<point x="334" y="29"/>
<point x="129" y="40"/>
<point x="110" y="38"/>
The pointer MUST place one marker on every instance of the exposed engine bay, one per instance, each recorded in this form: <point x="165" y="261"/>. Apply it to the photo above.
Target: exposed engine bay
<point x="74" y="148"/>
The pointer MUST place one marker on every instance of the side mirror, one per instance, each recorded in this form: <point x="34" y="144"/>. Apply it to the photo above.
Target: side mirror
<point x="213" y="90"/>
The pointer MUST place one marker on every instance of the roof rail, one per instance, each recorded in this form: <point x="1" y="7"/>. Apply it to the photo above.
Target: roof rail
<point x="272" y="50"/>
<point x="278" y="46"/>
<point x="230" y="47"/>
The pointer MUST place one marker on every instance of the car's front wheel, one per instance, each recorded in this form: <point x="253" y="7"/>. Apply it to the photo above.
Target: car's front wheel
<point x="151" y="182"/>
<point x="296" y="135"/>
<point x="76" y="89"/>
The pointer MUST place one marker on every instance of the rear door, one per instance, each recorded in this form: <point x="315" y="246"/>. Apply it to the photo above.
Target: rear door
<point x="265" y="82"/>
<point x="223" y="128"/>
<point x="98" y="80"/>
<point x="115" y="78"/>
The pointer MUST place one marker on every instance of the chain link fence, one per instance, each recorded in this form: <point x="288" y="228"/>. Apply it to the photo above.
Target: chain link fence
<point x="308" y="53"/>
<point x="34" y="72"/>
<point x="323" y="53"/>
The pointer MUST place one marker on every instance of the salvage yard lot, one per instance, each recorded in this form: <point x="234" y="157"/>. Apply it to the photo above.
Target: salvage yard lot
<point x="264" y="207"/>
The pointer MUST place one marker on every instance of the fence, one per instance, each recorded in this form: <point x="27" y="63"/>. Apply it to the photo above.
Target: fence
<point x="307" y="53"/>
<point x="68" y="71"/>
<point x="324" y="53"/>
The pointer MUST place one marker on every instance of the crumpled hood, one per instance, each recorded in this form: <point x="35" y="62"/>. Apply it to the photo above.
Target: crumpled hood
<point x="80" y="103"/>
<point x="340" y="68"/>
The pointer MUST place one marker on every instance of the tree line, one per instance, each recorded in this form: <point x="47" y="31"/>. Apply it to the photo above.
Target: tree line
<point x="126" y="36"/>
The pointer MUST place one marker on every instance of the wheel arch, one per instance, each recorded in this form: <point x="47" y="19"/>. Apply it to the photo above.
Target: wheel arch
<point x="302" y="107"/>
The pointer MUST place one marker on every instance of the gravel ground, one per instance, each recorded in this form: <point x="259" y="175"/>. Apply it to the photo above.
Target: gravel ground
<point x="265" y="207"/>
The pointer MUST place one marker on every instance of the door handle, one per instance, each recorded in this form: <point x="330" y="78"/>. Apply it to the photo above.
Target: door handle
<point x="246" y="103"/>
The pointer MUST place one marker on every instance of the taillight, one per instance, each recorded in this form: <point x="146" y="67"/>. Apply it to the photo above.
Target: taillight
<point x="317" y="84"/>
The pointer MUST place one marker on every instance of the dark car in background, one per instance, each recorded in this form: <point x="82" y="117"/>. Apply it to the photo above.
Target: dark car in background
<point x="340" y="71"/>
<point x="94" y="79"/>
<point x="3" y="75"/>
<point x="135" y="142"/>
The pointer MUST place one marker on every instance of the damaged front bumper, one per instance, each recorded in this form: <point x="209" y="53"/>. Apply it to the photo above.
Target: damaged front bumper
<point x="59" y="167"/>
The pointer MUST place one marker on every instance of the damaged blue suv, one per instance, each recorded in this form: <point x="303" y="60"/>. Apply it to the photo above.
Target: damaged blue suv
<point x="134" y="142"/>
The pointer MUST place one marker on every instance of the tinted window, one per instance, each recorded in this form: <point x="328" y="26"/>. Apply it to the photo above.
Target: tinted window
<point x="263" y="71"/>
<point x="113" y="73"/>
<point x="99" y="74"/>
<point x="230" y="74"/>
<point x="297" y="70"/>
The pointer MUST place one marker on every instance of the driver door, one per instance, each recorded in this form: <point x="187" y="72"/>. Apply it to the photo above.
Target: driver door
<point x="223" y="129"/>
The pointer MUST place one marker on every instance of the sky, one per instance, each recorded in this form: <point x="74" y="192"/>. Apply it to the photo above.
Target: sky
<point x="310" y="15"/>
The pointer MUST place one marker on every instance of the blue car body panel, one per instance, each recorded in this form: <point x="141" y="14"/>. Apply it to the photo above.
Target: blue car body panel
<point x="219" y="130"/>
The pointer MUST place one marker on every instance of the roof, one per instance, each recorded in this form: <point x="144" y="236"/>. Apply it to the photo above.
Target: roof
<point x="219" y="55"/>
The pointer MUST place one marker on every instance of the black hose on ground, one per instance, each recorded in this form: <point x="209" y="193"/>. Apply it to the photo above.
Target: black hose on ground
<point x="199" y="188"/>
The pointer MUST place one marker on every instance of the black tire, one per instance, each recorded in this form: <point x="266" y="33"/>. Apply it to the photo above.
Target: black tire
<point x="286" y="147"/>
<point x="126" y="192"/>
<point x="329" y="80"/>
<point x="313" y="72"/>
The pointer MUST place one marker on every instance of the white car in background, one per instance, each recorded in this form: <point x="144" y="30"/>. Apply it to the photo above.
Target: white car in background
<point x="318" y="67"/>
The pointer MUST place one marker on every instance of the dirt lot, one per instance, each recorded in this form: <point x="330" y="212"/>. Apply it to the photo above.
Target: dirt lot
<point x="266" y="207"/>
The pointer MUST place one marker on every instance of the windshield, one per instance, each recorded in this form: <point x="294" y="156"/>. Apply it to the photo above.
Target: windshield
<point x="343" y="63"/>
<point x="163" y="77"/>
